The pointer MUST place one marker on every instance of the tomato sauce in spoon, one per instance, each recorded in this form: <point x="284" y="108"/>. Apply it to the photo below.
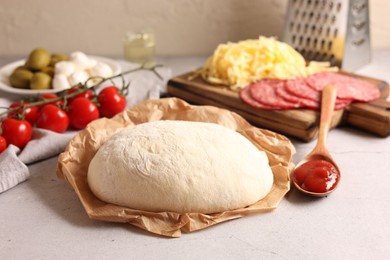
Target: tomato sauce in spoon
<point x="317" y="176"/>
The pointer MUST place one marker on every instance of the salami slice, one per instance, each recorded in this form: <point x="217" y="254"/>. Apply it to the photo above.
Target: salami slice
<point x="306" y="92"/>
<point x="303" y="102"/>
<point x="342" y="103"/>
<point x="298" y="87"/>
<point x="264" y="92"/>
<point x="347" y="87"/>
<point x="310" y="97"/>
<point x="245" y="96"/>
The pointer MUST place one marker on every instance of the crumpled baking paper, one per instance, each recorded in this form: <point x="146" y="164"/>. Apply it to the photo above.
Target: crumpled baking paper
<point x="73" y="165"/>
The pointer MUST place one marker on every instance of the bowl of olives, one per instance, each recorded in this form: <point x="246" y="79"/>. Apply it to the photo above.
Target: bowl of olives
<point x="36" y="74"/>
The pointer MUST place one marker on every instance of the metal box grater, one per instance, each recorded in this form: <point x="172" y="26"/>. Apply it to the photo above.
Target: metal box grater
<point x="337" y="31"/>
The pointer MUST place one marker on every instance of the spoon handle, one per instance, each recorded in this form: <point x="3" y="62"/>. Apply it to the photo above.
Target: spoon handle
<point x="327" y="106"/>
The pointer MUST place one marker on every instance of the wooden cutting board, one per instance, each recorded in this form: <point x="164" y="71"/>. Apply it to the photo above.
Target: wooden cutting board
<point x="373" y="117"/>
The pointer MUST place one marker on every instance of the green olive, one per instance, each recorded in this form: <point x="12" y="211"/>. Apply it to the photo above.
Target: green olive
<point x="48" y="70"/>
<point x="40" y="80"/>
<point x="57" y="57"/>
<point x="21" y="78"/>
<point x="38" y="59"/>
<point x="21" y="67"/>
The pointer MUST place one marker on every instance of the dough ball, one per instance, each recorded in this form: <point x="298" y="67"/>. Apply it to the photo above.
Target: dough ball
<point x="180" y="166"/>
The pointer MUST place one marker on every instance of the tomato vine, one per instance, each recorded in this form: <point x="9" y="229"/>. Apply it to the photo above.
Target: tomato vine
<point x="83" y="87"/>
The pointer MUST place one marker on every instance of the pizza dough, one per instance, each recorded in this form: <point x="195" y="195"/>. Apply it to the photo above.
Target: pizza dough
<point x="180" y="166"/>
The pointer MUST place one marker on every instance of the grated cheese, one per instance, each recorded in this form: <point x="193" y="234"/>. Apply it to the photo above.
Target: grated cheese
<point x="242" y="63"/>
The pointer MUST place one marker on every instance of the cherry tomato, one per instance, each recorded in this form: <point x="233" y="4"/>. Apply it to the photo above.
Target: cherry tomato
<point x="16" y="132"/>
<point x="81" y="112"/>
<point x="30" y="113"/>
<point x="108" y="89"/>
<point x="111" y="102"/>
<point x="53" y="118"/>
<point x="48" y="96"/>
<point x="3" y="144"/>
<point x="86" y="94"/>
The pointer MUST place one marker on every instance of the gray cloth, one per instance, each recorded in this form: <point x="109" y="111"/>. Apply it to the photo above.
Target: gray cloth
<point x="45" y="144"/>
<point x="13" y="170"/>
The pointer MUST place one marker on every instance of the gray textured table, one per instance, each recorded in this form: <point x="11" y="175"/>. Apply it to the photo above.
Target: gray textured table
<point x="42" y="218"/>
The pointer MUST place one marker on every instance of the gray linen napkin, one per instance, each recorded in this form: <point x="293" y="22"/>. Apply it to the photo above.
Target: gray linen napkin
<point x="45" y="144"/>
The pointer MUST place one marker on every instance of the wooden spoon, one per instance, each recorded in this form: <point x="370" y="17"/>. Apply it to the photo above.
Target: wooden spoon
<point x="320" y="152"/>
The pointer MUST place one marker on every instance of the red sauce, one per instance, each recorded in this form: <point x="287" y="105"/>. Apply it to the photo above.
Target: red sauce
<point x="316" y="176"/>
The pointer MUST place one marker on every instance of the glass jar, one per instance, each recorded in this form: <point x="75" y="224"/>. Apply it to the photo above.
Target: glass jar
<point x="139" y="47"/>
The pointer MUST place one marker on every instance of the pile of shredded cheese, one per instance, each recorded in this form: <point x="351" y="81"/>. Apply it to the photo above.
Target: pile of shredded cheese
<point x="239" y="64"/>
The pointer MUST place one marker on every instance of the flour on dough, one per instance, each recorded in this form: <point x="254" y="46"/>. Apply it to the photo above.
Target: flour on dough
<point x="180" y="166"/>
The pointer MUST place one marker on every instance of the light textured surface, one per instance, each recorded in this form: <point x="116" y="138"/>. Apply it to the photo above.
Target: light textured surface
<point x="182" y="27"/>
<point x="42" y="218"/>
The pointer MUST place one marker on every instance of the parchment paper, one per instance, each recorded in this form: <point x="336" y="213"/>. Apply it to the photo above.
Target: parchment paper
<point x="73" y="165"/>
